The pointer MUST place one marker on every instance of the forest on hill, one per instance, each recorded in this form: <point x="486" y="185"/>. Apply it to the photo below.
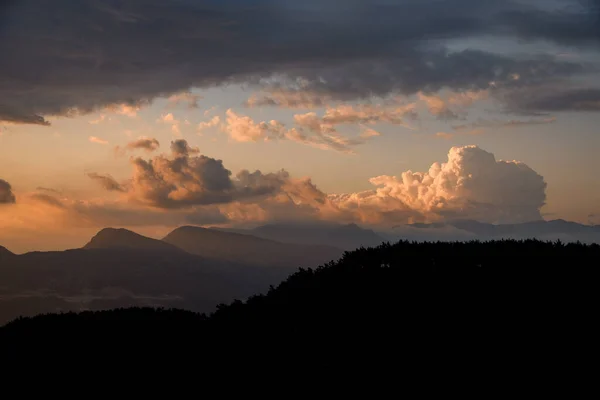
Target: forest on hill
<point x="419" y="293"/>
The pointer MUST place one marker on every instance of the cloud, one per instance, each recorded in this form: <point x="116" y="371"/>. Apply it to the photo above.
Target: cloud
<point x="369" y="114"/>
<point x="320" y="132"/>
<point x="444" y="135"/>
<point x="48" y="199"/>
<point x="169" y="119"/>
<point x="438" y="107"/>
<point x="98" y="120"/>
<point x="443" y="107"/>
<point x="65" y="56"/>
<point x="166" y="118"/>
<point x="181" y="148"/>
<point x="289" y="99"/>
<point x="214" y="121"/>
<point x="497" y="124"/>
<point x="185" y="98"/>
<point x="142" y="143"/>
<point x="242" y="128"/>
<point x="186" y="179"/>
<point x="94" y="139"/>
<point x="369" y="133"/>
<point x="6" y="194"/>
<point x="471" y="184"/>
<point x="448" y="135"/>
<point x="129" y="110"/>
<point x="48" y="190"/>
<point x="107" y="182"/>
<point x="557" y="99"/>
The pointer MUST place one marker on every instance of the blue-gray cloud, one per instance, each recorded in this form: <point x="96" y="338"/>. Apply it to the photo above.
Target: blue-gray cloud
<point x="68" y="57"/>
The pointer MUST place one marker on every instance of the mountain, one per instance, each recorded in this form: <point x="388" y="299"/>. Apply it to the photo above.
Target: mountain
<point x="346" y="237"/>
<point x="249" y="249"/>
<point x="110" y="238"/>
<point x="119" y="268"/>
<point x="543" y="230"/>
<point x="472" y="302"/>
<point x="4" y="252"/>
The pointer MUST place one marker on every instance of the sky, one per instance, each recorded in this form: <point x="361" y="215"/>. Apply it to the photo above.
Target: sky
<point x="151" y="115"/>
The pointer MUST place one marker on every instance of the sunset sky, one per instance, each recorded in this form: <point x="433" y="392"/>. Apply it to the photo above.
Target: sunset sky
<point x="153" y="114"/>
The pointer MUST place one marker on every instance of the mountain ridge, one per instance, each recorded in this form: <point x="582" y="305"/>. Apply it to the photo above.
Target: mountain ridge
<point x="247" y="248"/>
<point x="119" y="238"/>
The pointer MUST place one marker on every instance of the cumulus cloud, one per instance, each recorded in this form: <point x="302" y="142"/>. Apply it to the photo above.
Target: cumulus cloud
<point x="6" y="194"/>
<point x="107" y="182"/>
<point x="185" y="179"/>
<point x="213" y="122"/>
<point x="97" y="140"/>
<point x="64" y="56"/>
<point x="142" y="143"/>
<point x="471" y="184"/>
<point x="320" y="132"/>
<point x="242" y="128"/>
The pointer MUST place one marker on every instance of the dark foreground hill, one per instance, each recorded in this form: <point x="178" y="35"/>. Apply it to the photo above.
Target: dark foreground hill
<point x="449" y="302"/>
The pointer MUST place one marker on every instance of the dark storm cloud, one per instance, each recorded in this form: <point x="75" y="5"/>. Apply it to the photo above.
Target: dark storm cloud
<point x="534" y="101"/>
<point x="70" y="57"/>
<point x="6" y="194"/>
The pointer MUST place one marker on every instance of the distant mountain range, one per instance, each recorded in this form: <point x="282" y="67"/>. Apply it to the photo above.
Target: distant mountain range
<point x="192" y="268"/>
<point x="197" y="268"/>
<point x="347" y="237"/>
<point x="469" y="230"/>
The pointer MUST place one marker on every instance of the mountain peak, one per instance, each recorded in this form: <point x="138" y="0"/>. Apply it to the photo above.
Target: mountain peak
<point x="112" y="238"/>
<point x="5" y="252"/>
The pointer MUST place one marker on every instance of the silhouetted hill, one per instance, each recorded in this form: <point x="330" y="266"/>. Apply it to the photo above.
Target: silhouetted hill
<point x="347" y="237"/>
<point x="476" y="303"/>
<point x="4" y="252"/>
<point x="248" y="249"/>
<point x="110" y="238"/>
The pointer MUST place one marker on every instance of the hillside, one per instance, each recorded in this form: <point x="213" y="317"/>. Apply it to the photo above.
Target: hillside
<point x="451" y="297"/>
<point x="248" y="249"/>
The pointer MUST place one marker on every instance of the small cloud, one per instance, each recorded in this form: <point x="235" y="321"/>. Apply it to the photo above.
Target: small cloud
<point x="186" y="98"/>
<point x="210" y="111"/>
<point x="214" y="121"/>
<point x="94" y="139"/>
<point x="369" y="133"/>
<point x="107" y="182"/>
<point x="170" y="119"/>
<point x="142" y="143"/>
<point x="125" y="109"/>
<point x="444" y="135"/>
<point x="166" y="118"/>
<point x="98" y="120"/>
